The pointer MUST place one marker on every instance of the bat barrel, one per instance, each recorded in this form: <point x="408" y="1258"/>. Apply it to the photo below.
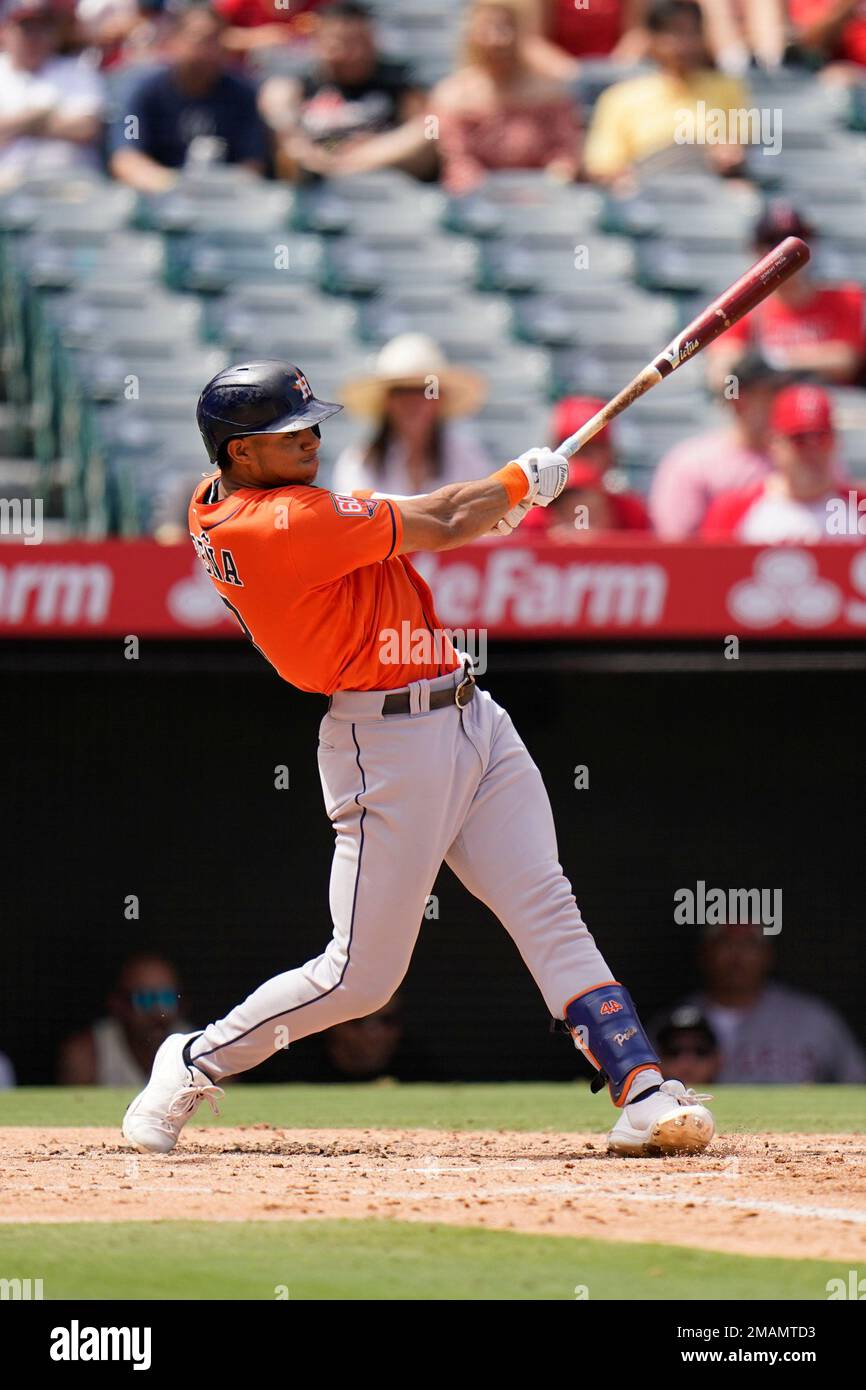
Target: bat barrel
<point x="739" y="299"/>
<point x="765" y="276"/>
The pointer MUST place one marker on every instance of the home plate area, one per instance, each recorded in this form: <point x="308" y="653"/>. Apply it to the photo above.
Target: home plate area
<point x="769" y="1194"/>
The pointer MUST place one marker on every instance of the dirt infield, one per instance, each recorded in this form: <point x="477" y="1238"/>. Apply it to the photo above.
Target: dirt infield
<point x="800" y="1195"/>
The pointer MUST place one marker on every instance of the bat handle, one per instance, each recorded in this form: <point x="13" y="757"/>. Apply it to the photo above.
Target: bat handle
<point x="638" y="386"/>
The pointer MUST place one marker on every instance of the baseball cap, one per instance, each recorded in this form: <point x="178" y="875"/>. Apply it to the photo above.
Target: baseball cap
<point x="685" y="1018"/>
<point x="574" y="411"/>
<point x="778" y="220"/>
<point x="802" y="410"/>
<point x="753" y="369"/>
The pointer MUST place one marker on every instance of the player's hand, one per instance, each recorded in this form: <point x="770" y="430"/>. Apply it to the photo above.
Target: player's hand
<point x="511" y="520"/>
<point x="547" y="473"/>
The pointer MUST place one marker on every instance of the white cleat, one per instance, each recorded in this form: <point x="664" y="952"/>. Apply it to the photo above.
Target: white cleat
<point x="670" y="1121"/>
<point x="154" y="1120"/>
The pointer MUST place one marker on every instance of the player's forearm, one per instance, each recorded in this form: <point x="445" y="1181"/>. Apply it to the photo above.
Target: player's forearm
<point x="460" y="512"/>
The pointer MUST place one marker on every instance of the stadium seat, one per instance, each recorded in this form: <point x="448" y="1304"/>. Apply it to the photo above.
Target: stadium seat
<point x="223" y="198"/>
<point x="572" y="318"/>
<point x="364" y="265"/>
<point x="721" y="225"/>
<point x="458" y="323"/>
<point x="210" y="262"/>
<point x="291" y="315"/>
<point x="507" y="432"/>
<point x="65" y="205"/>
<point x="677" y="267"/>
<point x="370" y="204"/>
<point x="581" y="372"/>
<point x="521" y="264"/>
<point x="513" y="204"/>
<point x="464" y="321"/>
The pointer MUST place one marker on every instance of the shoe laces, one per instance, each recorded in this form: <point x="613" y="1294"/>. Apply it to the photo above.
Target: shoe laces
<point x="690" y="1097"/>
<point x="188" y="1099"/>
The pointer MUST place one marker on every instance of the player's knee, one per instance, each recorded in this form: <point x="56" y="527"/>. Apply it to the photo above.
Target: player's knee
<point x="366" y="996"/>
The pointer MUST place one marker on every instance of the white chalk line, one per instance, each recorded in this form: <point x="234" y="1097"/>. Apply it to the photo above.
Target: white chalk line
<point x="563" y="1189"/>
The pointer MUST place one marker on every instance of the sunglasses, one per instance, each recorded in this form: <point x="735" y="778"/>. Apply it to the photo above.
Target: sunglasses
<point x="146" y="1000"/>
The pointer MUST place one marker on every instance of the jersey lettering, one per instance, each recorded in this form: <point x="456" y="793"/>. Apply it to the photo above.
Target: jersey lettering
<point x="225" y="569"/>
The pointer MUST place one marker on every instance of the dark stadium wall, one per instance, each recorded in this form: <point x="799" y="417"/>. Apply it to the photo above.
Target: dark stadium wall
<point x="156" y="778"/>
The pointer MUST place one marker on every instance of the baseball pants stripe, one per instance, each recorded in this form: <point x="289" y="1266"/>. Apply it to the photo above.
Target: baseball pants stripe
<point x="405" y="793"/>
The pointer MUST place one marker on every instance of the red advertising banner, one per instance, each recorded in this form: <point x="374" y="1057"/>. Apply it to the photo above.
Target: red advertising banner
<point x="635" y="588"/>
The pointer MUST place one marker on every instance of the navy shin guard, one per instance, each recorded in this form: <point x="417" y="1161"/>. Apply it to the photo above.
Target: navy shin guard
<point x="605" y="1027"/>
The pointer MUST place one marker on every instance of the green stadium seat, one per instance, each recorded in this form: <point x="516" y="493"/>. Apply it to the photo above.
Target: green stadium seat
<point x="369" y="204"/>
<point x="365" y="265"/>
<point x="459" y="322"/>
<point x="522" y="264"/>
<point x="525" y="203"/>
<point x="225" y="198"/>
<point x="292" y="319"/>
<point x="210" y="262"/>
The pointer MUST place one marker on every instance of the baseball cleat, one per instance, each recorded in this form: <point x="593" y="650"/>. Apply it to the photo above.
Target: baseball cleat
<point x="154" y="1120"/>
<point x="670" y="1121"/>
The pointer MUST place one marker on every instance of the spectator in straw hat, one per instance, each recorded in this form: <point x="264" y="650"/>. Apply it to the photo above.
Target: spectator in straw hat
<point x="414" y="400"/>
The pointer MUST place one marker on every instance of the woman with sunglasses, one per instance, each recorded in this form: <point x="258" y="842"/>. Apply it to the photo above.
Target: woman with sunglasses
<point x="414" y="401"/>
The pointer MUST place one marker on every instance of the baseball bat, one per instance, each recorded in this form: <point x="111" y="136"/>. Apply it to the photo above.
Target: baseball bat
<point x="765" y="276"/>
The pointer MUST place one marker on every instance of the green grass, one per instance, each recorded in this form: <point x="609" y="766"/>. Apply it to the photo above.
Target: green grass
<point x="380" y="1260"/>
<point x="554" y="1106"/>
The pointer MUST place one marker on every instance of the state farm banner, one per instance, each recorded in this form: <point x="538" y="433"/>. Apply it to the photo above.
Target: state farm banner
<point x="623" y="589"/>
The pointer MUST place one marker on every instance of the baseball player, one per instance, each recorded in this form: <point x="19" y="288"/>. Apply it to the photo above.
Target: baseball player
<point x="417" y="762"/>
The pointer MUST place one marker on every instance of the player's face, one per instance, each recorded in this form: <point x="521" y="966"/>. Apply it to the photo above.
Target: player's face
<point x="274" y="460"/>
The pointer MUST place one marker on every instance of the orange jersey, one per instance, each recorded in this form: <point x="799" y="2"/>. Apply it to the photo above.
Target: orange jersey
<point x="314" y="581"/>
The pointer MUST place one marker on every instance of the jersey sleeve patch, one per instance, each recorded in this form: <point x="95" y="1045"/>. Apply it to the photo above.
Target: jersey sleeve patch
<point x="353" y="506"/>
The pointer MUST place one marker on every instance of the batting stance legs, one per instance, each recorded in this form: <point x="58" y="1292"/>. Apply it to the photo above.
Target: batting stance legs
<point x="405" y="792"/>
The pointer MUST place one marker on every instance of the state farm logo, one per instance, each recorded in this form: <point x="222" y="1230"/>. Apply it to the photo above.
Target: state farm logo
<point x="194" y="602"/>
<point x="61" y="594"/>
<point x="785" y="587"/>
<point x="517" y="586"/>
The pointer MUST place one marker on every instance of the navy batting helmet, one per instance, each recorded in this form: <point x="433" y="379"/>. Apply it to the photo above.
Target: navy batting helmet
<point x="267" y="397"/>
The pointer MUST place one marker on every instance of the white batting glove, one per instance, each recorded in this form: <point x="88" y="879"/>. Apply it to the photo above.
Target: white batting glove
<point x="511" y="520"/>
<point x="547" y="473"/>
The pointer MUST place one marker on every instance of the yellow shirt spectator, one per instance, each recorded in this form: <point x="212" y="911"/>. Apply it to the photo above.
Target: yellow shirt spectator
<point x="643" y="115"/>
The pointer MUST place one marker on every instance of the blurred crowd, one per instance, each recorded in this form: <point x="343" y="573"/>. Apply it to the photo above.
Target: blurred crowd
<point x="177" y="80"/>
<point x="742" y="1024"/>
<point x="145" y="89"/>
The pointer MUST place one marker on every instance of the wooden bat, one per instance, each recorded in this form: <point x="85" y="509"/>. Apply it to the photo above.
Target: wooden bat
<point x="765" y="276"/>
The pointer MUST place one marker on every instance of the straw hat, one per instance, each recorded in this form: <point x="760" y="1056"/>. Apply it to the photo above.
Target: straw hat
<point x="412" y="359"/>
